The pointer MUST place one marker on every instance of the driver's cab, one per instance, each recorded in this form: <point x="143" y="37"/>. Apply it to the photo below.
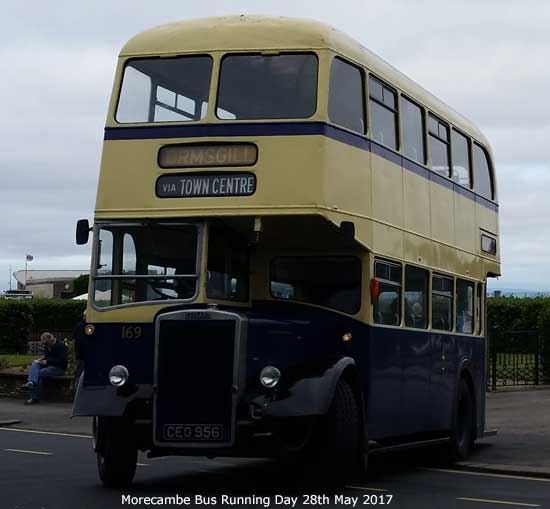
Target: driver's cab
<point x="150" y="261"/>
<point x="230" y="260"/>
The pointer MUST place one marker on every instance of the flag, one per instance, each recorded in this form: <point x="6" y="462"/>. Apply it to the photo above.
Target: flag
<point x="29" y="258"/>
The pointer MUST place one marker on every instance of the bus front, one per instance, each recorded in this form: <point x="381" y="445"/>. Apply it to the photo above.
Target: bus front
<point x="207" y="241"/>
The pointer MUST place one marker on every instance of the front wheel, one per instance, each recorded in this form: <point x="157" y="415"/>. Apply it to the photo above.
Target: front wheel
<point x="341" y="449"/>
<point x="116" y="452"/>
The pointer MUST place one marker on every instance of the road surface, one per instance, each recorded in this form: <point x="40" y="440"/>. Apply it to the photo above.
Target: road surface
<point x="45" y="470"/>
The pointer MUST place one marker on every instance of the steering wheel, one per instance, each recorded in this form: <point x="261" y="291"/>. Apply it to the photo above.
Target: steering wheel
<point x="157" y="287"/>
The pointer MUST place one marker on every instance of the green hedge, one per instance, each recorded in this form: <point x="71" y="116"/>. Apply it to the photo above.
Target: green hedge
<point x="16" y="322"/>
<point x="56" y="314"/>
<point x="19" y="317"/>
<point x="509" y="313"/>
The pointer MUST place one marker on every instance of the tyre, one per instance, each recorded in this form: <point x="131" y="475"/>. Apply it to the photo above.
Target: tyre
<point x="464" y="422"/>
<point x="341" y="446"/>
<point x="116" y="452"/>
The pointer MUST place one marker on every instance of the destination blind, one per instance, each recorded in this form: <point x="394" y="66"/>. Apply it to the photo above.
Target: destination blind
<point x="197" y="186"/>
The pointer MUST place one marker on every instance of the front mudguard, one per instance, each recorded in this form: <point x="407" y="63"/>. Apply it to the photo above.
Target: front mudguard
<point x="107" y="400"/>
<point x="309" y="396"/>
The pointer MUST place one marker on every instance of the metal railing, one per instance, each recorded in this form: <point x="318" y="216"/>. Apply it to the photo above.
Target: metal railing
<point x="517" y="358"/>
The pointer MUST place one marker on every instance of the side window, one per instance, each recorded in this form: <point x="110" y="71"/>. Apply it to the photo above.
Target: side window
<point x="345" y="103"/>
<point x="383" y="113"/>
<point x="482" y="175"/>
<point x="479" y="308"/>
<point x="439" y="146"/>
<point x="412" y="127"/>
<point x="442" y="303"/>
<point x="103" y="287"/>
<point x="416" y="297"/>
<point x="464" y="307"/>
<point x="461" y="159"/>
<point x="387" y="293"/>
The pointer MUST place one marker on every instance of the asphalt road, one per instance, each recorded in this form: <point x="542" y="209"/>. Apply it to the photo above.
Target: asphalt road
<point x="44" y="470"/>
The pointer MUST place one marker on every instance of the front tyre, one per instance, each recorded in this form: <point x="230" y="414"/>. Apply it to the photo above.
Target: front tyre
<point x="116" y="452"/>
<point x="341" y="451"/>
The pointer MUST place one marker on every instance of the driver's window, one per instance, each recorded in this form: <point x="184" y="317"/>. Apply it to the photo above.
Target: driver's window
<point x="227" y="277"/>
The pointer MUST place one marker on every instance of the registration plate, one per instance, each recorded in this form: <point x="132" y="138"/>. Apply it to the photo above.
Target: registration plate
<point x="193" y="432"/>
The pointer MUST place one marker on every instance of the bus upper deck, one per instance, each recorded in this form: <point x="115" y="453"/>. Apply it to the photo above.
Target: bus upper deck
<point x="284" y="117"/>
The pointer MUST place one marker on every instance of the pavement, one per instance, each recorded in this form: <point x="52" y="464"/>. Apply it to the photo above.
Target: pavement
<point x="53" y="417"/>
<point x="521" y="447"/>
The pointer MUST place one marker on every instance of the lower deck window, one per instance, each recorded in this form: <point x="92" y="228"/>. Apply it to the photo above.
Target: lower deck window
<point x="442" y="303"/>
<point x="387" y="293"/>
<point x="330" y="281"/>
<point x="416" y="297"/>
<point x="464" y="307"/>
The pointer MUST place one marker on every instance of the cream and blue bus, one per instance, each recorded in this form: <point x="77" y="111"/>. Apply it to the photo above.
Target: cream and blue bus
<point x="291" y="245"/>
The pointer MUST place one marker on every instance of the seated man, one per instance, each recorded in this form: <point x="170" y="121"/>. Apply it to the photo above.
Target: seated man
<point x="53" y="364"/>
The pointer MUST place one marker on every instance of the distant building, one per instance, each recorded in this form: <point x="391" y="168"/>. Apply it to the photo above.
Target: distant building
<point x="49" y="283"/>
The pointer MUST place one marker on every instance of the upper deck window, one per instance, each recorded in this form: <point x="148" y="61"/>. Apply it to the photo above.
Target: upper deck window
<point x="383" y="113"/>
<point x="165" y="90"/>
<point x="439" y="146"/>
<point x="345" y="103"/>
<point x="461" y="159"/>
<point x="412" y="124"/>
<point x="482" y="174"/>
<point x="267" y="86"/>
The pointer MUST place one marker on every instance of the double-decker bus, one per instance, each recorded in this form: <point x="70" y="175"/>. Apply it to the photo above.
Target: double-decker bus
<point x="291" y="245"/>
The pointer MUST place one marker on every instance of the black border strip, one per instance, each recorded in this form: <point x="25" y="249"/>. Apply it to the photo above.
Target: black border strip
<point x="252" y="129"/>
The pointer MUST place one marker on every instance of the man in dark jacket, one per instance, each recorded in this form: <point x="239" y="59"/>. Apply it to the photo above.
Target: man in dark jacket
<point x="54" y="363"/>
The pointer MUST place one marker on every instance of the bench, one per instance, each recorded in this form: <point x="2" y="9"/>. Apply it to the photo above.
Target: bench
<point x="58" y="389"/>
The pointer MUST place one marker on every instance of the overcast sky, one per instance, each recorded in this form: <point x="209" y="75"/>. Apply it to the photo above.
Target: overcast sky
<point x="488" y="59"/>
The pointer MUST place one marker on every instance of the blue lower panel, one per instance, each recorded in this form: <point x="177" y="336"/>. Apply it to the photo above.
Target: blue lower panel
<point x="412" y="379"/>
<point x="108" y="347"/>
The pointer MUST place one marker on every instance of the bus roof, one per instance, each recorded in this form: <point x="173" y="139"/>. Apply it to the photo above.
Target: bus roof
<point x="253" y="33"/>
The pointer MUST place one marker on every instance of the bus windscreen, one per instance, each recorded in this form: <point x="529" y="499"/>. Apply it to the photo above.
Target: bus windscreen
<point x="267" y="86"/>
<point x="165" y="90"/>
<point x="143" y="263"/>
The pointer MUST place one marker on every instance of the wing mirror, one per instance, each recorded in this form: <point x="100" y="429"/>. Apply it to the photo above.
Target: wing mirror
<point x="82" y="231"/>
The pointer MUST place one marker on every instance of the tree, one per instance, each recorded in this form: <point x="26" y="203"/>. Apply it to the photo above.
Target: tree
<point x="81" y="285"/>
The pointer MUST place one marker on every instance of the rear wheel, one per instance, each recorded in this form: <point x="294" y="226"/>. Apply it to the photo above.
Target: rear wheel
<point x="116" y="452"/>
<point x="463" y="431"/>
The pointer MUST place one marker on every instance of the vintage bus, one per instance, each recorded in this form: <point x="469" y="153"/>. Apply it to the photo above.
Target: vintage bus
<point x="291" y="245"/>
